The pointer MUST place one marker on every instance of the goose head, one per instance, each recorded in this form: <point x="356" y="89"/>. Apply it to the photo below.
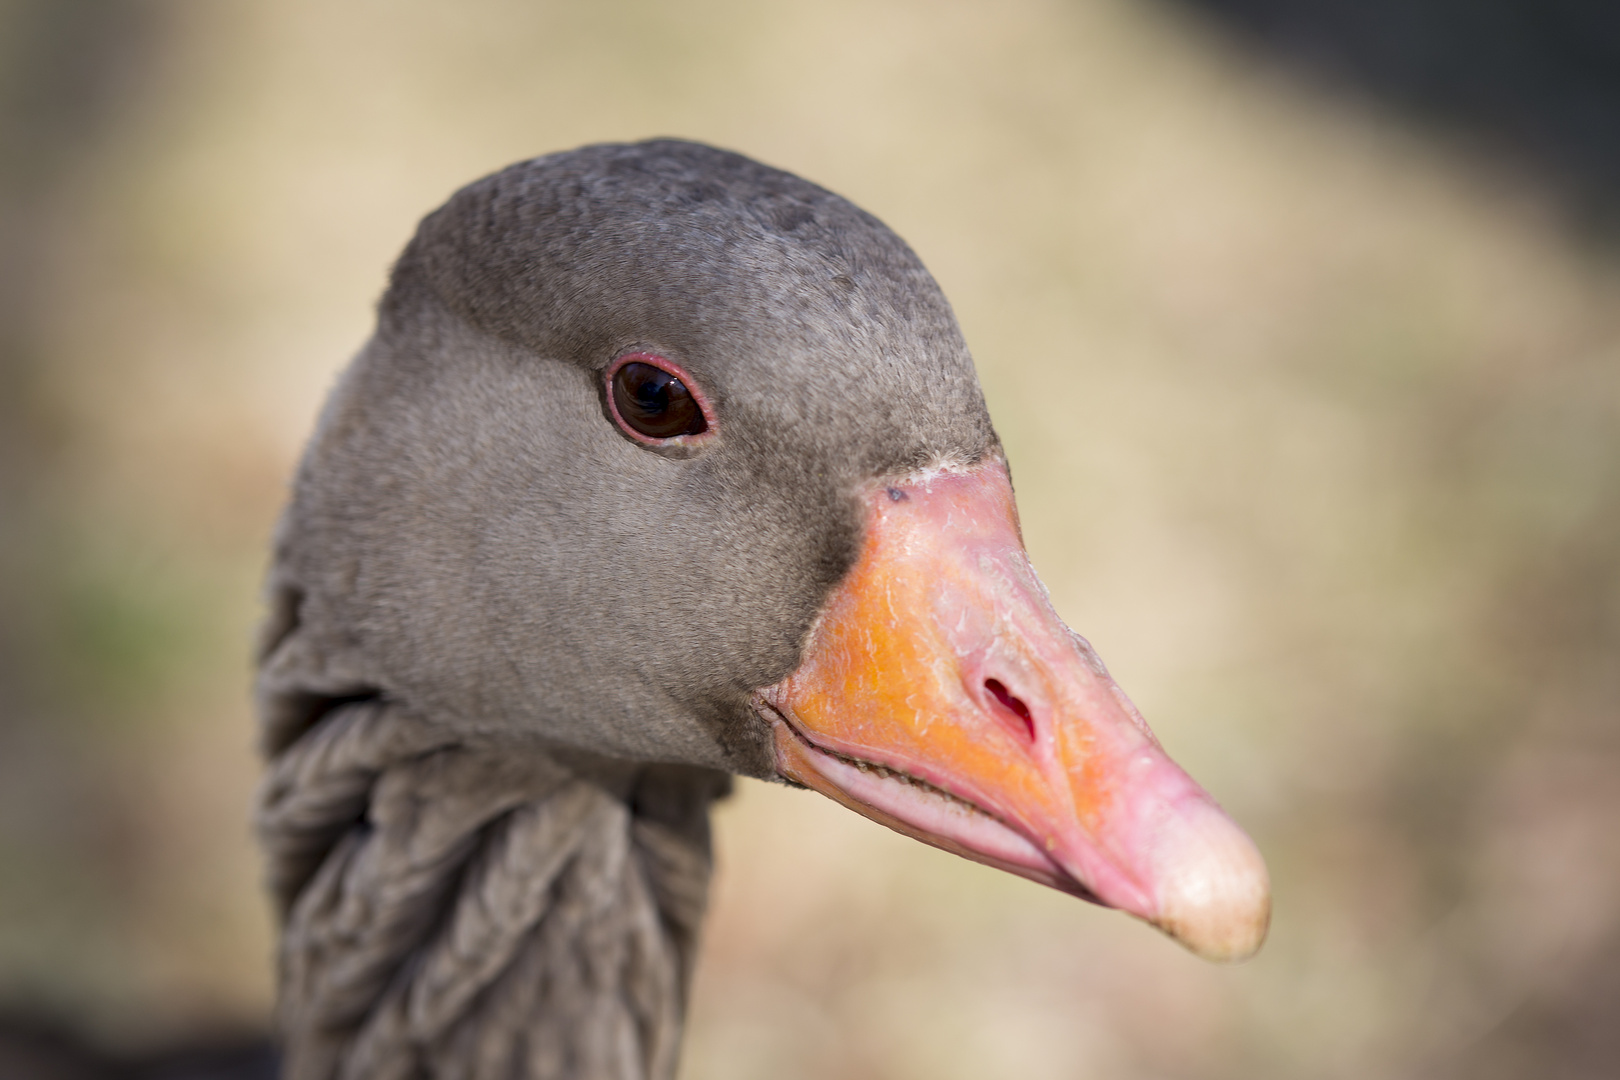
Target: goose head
<point x="659" y="455"/>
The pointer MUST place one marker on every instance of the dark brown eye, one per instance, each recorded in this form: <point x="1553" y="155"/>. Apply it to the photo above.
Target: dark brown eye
<point x="654" y="403"/>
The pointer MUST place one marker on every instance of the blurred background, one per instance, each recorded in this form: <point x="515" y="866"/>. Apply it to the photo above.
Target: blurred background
<point x="1301" y="324"/>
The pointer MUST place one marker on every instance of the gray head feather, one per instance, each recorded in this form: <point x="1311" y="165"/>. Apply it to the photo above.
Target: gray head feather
<point x="471" y="530"/>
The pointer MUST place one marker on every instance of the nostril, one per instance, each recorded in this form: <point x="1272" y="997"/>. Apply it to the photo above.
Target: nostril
<point x="999" y="691"/>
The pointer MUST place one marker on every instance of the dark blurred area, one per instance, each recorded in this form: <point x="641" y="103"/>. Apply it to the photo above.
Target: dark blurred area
<point x="1333" y="295"/>
<point x="1535" y="79"/>
<point x="44" y="1050"/>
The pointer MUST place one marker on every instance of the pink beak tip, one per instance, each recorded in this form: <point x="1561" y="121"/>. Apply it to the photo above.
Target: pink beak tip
<point x="1212" y="889"/>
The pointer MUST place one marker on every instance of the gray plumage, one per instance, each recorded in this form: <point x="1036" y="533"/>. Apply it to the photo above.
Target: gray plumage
<point x="510" y="651"/>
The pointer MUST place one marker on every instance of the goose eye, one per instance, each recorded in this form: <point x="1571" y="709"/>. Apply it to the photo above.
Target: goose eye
<point x="654" y="403"/>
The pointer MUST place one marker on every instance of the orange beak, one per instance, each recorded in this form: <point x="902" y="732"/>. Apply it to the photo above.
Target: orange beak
<point x="941" y="695"/>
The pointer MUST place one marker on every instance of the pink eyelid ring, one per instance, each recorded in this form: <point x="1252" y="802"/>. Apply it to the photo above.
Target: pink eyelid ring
<point x="710" y="420"/>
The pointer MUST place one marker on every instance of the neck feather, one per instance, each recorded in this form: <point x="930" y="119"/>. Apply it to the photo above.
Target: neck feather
<point x="462" y="911"/>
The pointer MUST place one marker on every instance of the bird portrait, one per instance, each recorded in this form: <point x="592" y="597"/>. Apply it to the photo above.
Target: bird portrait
<point x="881" y="540"/>
<point x="662" y="465"/>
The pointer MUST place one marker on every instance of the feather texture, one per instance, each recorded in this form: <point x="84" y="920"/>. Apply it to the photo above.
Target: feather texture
<point x="468" y="912"/>
<point x="472" y="913"/>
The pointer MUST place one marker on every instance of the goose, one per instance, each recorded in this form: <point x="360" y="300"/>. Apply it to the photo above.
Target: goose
<point x="661" y="466"/>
